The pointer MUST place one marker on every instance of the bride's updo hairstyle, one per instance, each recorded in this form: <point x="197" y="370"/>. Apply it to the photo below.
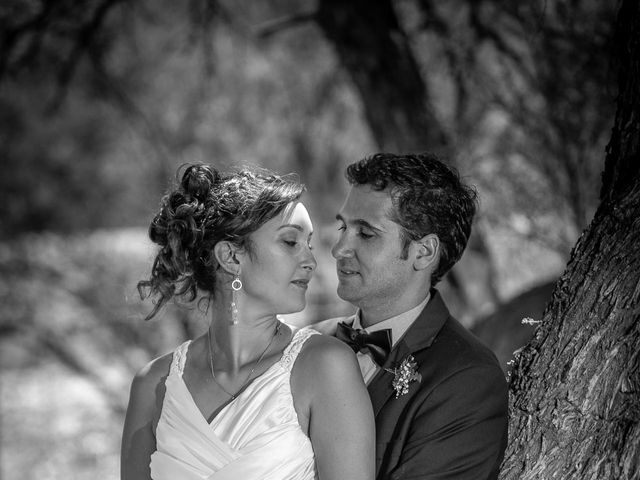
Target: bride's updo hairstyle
<point x="208" y="207"/>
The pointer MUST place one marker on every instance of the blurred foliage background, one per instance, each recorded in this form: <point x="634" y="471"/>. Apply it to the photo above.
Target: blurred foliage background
<point x="101" y="101"/>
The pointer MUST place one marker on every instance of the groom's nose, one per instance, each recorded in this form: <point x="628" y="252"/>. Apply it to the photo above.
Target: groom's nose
<point x="342" y="249"/>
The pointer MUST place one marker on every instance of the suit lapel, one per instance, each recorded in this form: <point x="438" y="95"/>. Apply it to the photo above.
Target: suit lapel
<point x="419" y="336"/>
<point x="380" y="388"/>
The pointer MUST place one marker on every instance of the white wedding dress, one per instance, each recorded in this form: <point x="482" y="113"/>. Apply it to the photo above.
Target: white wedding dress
<point x="255" y="437"/>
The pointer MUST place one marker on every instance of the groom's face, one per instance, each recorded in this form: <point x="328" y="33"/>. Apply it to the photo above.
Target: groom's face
<point x="371" y="272"/>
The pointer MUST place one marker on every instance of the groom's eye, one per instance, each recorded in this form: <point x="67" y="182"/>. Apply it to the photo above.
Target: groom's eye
<point x="365" y="235"/>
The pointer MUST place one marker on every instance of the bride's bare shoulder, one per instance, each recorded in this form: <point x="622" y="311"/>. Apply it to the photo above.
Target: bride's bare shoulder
<point x="323" y="355"/>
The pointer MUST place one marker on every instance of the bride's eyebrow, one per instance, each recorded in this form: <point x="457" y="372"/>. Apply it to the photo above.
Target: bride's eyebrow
<point x="295" y="226"/>
<point x="291" y="225"/>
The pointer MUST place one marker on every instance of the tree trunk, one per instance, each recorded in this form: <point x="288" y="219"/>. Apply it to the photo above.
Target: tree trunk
<point x="576" y="387"/>
<point x="376" y="54"/>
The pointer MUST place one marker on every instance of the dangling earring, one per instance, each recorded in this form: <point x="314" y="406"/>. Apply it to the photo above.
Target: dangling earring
<point x="235" y="286"/>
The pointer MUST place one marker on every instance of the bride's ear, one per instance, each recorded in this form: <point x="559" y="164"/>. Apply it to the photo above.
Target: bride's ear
<point x="227" y="255"/>
<point x="427" y="252"/>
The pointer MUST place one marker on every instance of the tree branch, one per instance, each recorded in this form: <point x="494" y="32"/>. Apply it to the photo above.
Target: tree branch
<point x="83" y="42"/>
<point x="277" y="25"/>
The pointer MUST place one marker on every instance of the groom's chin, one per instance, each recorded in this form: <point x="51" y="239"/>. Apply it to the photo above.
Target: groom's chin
<point x="347" y="293"/>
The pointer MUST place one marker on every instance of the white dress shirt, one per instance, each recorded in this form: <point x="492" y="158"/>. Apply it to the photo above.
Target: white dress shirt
<point x="398" y="325"/>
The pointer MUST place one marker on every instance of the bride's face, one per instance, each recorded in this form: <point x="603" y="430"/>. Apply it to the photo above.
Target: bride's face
<point x="277" y="272"/>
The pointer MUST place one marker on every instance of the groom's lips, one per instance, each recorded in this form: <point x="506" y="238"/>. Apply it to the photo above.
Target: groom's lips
<point x="346" y="271"/>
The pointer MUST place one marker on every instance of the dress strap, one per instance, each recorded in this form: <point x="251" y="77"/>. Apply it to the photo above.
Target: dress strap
<point x="179" y="359"/>
<point x="295" y="345"/>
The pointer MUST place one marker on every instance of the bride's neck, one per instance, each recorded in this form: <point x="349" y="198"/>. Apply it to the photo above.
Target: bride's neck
<point x="238" y="344"/>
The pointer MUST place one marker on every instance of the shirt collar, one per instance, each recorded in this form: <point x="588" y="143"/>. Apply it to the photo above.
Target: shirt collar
<point x="398" y="324"/>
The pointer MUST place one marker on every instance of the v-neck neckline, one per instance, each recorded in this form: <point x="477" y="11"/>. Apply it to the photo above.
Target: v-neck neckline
<point x="216" y="413"/>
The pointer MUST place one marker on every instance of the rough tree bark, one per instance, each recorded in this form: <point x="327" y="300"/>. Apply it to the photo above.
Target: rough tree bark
<point x="376" y="54"/>
<point x="576" y="386"/>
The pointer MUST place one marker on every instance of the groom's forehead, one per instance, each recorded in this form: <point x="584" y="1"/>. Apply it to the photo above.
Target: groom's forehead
<point x="368" y="208"/>
<point x="364" y="201"/>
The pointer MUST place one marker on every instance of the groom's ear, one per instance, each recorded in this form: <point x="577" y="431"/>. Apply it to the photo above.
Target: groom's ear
<point x="427" y="252"/>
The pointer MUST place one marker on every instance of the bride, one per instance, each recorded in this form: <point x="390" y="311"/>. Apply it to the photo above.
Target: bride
<point x="252" y="398"/>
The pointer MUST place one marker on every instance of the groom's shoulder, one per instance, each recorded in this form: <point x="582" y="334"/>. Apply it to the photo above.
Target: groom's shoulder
<point x="328" y="327"/>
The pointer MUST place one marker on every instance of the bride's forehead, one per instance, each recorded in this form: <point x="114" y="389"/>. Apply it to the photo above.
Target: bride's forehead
<point x="296" y="213"/>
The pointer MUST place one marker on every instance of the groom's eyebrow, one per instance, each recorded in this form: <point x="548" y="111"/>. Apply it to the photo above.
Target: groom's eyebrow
<point x="360" y="222"/>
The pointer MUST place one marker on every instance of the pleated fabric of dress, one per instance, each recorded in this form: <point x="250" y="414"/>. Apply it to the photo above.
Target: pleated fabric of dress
<point x="255" y="437"/>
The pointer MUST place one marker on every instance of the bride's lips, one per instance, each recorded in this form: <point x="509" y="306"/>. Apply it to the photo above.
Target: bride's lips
<point x="301" y="283"/>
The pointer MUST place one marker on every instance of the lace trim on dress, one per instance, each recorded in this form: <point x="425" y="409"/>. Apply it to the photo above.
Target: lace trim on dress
<point x="293" y="349"/>
<point x="179" y="359"/>
<point x="288" y="355"/>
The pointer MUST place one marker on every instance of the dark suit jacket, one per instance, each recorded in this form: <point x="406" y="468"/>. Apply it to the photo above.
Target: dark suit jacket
<point x="453" y="423"/>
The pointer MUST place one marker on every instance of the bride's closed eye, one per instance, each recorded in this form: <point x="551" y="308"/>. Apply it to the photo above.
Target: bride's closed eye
<point x="295" y="243"/>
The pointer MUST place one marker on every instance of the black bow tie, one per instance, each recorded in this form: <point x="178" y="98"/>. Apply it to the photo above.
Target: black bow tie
<point x="378" y="344"/>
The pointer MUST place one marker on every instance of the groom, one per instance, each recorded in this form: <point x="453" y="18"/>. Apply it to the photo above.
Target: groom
<point x="439" y="396"/>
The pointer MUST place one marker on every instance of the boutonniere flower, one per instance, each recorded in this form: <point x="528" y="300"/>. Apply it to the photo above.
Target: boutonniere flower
<point x="404" y="375"/>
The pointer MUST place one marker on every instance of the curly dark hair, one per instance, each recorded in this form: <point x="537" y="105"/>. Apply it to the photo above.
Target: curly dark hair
<point x="205" y="208"/>
<point x="428" y="197"/>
